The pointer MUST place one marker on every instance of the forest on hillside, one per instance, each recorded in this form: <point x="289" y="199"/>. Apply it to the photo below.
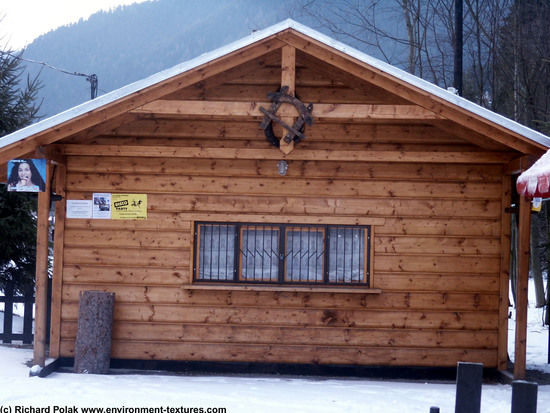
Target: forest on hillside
<point x="132" y="42"/>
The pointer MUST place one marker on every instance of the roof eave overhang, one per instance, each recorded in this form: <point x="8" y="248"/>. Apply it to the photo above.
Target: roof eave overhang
<point x="437" y="99"/>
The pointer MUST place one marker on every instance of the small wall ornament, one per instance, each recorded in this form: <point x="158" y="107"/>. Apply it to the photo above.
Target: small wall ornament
<point x="295" y="132"/>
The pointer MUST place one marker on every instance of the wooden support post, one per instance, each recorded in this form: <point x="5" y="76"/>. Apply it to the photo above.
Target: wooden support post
<point x="57" y="277"/>
<point x="41" y="285"/>
<point x="524" y="397"/>
<point x="288" y="78"/>
<point x="504" y="283"/>
<point x="92" y="353"/>
<point x="522" y="286"/>
<point x="468" y="387"/>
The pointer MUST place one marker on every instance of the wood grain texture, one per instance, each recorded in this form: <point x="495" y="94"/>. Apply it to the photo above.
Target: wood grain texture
<point x="424" y="233"/>
<point x="378" y="154"/>
<point x="57" y="276"/>
<point x="295" y="354"/>
<point x="42" y="262"/>
<point x="220" y="333"/>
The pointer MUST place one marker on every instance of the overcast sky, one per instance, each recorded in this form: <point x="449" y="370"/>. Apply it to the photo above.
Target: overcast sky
<point x="22" y="21"/>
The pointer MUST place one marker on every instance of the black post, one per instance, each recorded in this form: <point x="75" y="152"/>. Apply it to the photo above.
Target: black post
<point x="524" y="397"/>
<point x="468" y="387"/>
<point x="459" y="41"/>
<point x="28" y="314"/>
<point x="9" y="293"/>
<point x="49" y="311"/>
<point x="93" y="85"/>
<point x="434" y="409"/>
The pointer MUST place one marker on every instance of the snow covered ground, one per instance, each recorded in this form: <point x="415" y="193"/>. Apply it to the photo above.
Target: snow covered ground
<point x="237" y="394"/>
<point x="537" y="338"/>
<point x="17" y="318"/>
<point x="234" y="393"/>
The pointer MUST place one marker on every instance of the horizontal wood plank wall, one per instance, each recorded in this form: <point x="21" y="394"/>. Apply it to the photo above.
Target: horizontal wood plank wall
<point x="436" y="259"/>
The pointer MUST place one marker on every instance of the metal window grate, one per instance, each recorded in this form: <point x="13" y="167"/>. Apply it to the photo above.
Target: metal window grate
<point x="304" y="254"/>
<point x="283" y="253"/>
<point x="216" y="257"/>
<point x="259" y="253"/>
<point x="347" y="255"/>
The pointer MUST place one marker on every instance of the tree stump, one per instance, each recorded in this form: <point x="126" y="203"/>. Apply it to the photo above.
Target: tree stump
<point x="92" y="353"/>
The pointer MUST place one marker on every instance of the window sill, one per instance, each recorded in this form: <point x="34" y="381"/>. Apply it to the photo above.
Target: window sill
<point x="283" y="288"/>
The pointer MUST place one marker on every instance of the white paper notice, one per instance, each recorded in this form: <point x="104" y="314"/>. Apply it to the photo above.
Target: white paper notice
<point x="102" y="206"/>
<point x="77" y="208"/>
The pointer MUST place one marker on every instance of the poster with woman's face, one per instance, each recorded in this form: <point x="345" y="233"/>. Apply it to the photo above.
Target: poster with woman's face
<point x="26" y="175"/>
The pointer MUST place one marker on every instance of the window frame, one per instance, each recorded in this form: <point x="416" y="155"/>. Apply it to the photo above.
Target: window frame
<point x="240" y="240"/>
<point x="293" y="228"/>
<point x="282" y="277"/>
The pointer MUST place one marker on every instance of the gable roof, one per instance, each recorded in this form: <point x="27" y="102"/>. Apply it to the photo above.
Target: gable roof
<point x="112" y="104"/>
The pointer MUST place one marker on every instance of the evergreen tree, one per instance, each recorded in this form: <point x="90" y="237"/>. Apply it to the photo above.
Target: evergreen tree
<point x="17" y="101"/>
<point x="17" y="239"/>
<point x="17" y="210"/>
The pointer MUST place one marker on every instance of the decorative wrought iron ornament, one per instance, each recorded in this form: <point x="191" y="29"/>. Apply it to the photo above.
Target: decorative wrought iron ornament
<point x="295" y="132"/>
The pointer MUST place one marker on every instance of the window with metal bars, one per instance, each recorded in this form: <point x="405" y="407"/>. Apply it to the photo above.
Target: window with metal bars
<point x="282" y="253"/>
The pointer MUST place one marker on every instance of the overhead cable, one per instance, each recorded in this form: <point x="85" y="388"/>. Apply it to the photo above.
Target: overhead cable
<point x="90" y="78"/>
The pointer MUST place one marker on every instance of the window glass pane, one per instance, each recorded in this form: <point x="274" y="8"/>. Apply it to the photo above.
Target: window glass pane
<point x="304" y="254"/>
<point x="259" y="253"/>
<point x="216" y="252"/>
<point x="254" y="253"/>
<point x="346" y="255"/>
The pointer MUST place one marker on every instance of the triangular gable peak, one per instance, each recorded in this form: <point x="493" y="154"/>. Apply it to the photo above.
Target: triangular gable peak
<point x="232" y="83"/>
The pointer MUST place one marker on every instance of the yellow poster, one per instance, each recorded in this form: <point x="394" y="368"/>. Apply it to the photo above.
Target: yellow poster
<point x="128" y="206"/>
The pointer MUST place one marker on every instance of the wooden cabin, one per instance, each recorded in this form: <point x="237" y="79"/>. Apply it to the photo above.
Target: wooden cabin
<point x="303" y="203"/>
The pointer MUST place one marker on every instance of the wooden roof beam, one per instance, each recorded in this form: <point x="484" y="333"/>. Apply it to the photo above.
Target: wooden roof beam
<point x="103" y="127"/>
<point x="519" y="165"/>
<point x="138" y="98"/>
<point x="325" y="69"/>
<point x="469" y="136"/>
<point x="234" y="75"/>
<point x="270" y="153"/>
<point x="251" y="110"/>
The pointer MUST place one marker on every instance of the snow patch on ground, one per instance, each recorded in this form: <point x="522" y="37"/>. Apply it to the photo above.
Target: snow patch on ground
<point x="537" y="335"/>
<point x="256" y="393"/>
<point x="236" y="393"/>
<point x="17" y="323"/>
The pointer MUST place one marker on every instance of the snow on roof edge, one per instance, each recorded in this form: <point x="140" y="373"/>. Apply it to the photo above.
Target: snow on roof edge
<point x="536" y="178"/>
<point x="127" y="90"/>
<point x="427" y="86"/>
<point x="166" y="74"/>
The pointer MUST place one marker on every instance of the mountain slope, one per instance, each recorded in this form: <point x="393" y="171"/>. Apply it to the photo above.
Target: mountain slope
<point x="133" y="42"/>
